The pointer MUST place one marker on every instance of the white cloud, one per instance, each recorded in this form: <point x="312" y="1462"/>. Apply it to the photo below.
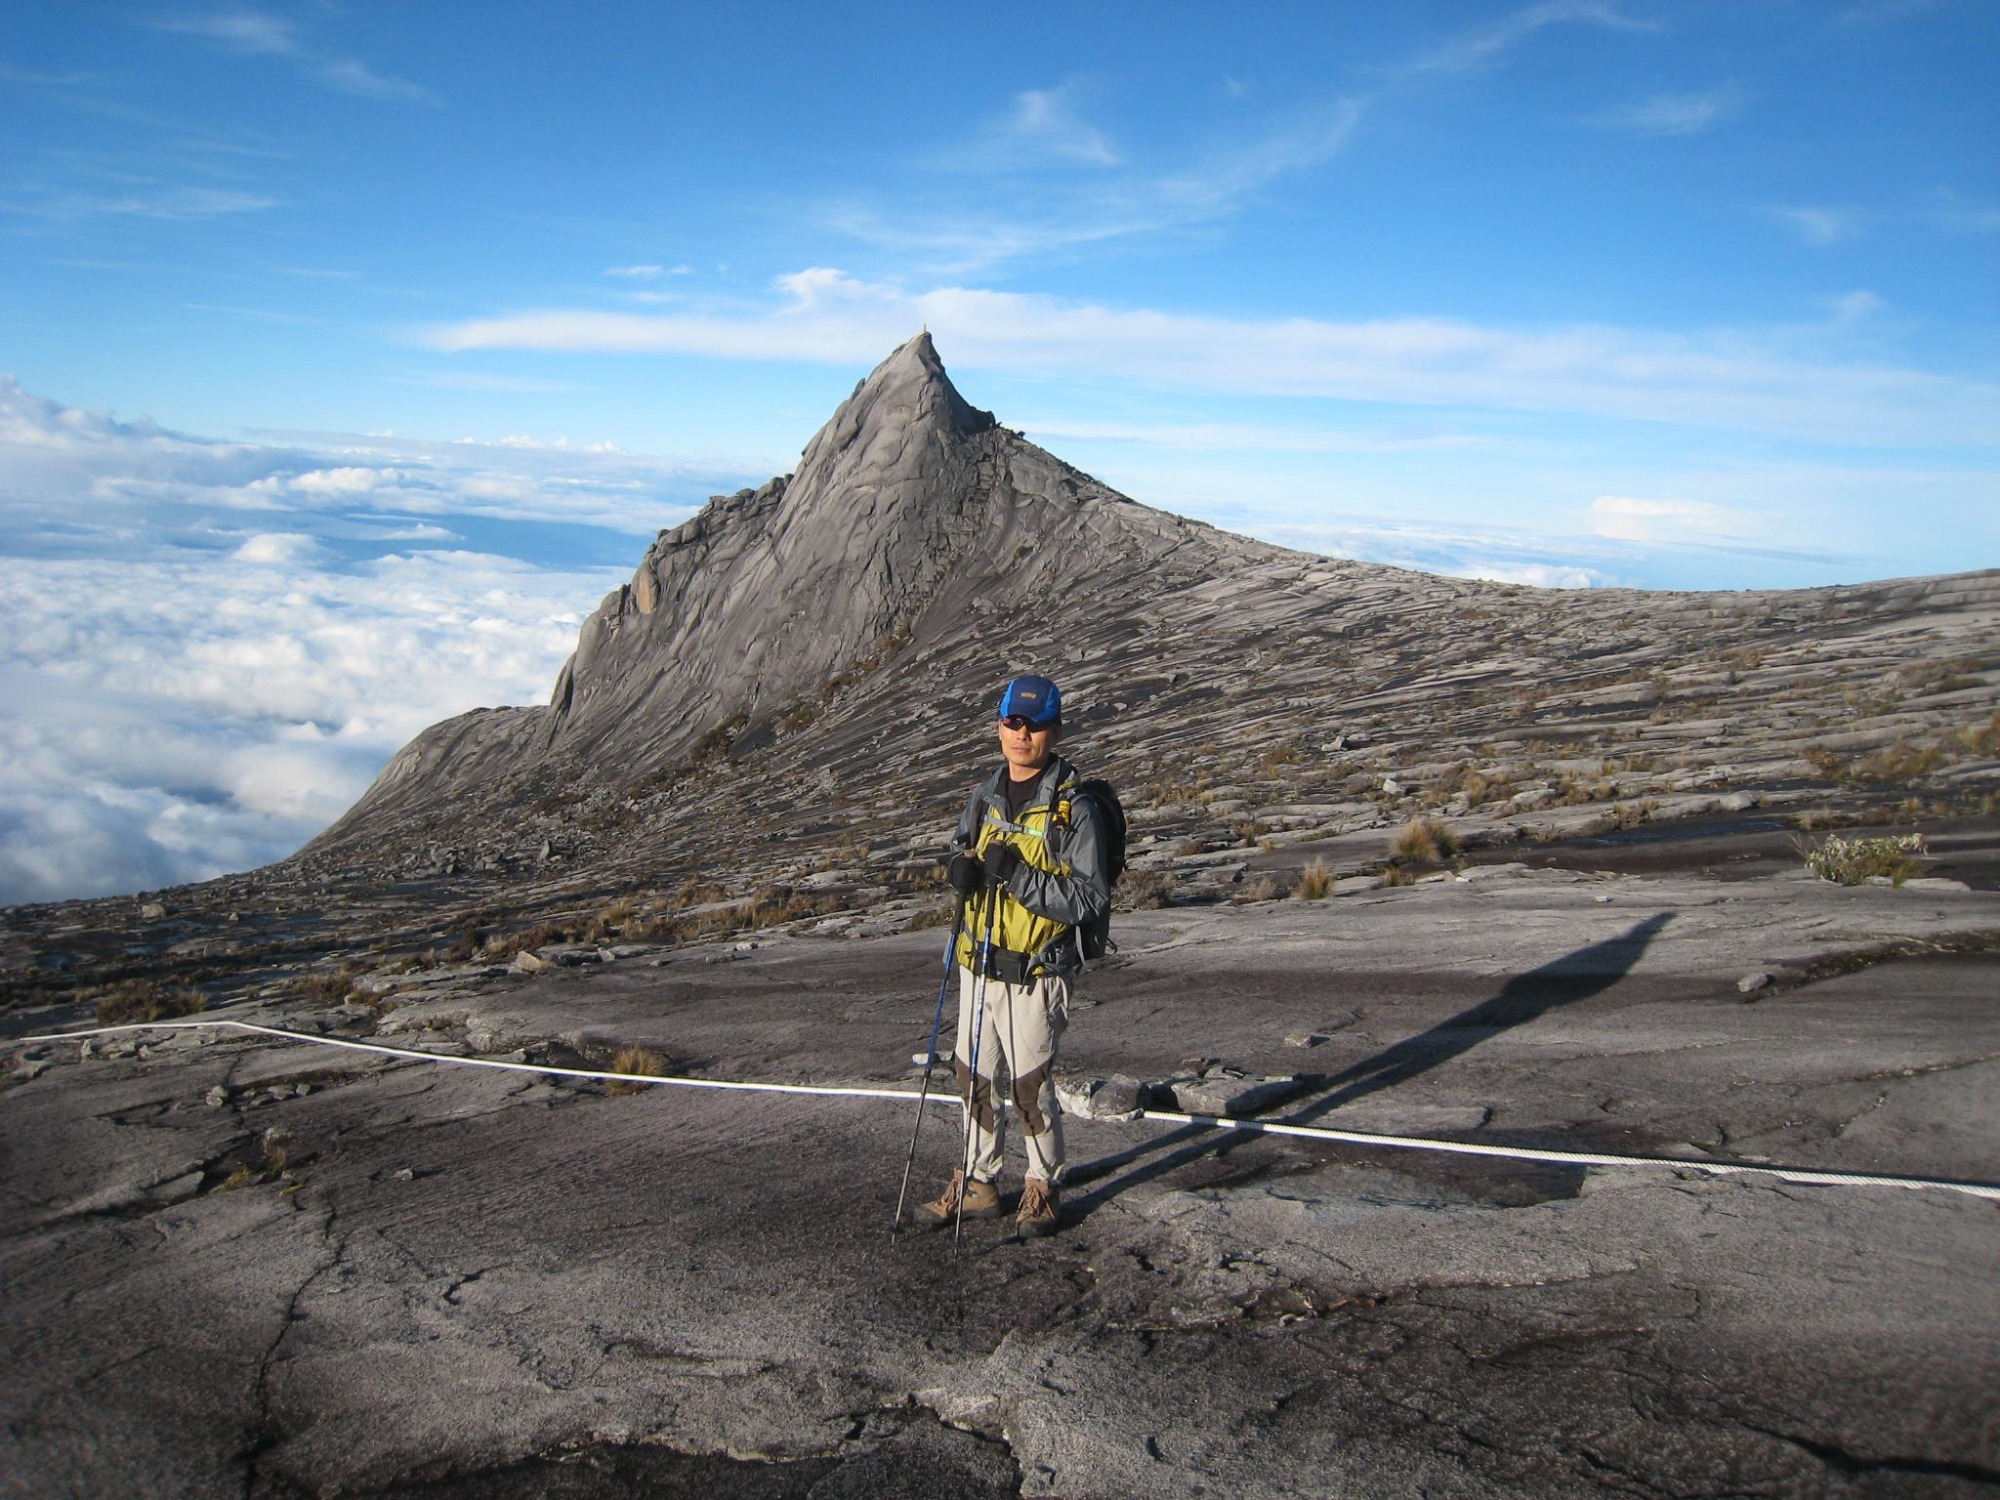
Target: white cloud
<point x="1854" y="307"/>
<point x="348" y="480"/>
<point x="182" y="694"/>
<point x="278" y="548"/>
<point x="1818" y="226"/>
<point x="189" y="714"/>
<point x="1228" y="437"/>
<point x="1534" y="575"/>
<point x="1629" y="519"/>
<point x="1754" y="380"/>
<point x="1677" y="114"/>
<point x="647" y="272"/>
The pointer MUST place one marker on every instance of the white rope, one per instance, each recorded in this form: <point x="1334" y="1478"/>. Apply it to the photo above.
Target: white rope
<point x="1579" y="1158"/>
<point x="418" y="1055"/>
<point x="1809" y="1175"/>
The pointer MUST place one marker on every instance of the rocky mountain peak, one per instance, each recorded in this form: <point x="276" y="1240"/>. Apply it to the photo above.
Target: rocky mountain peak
<point x="911" y="512"/>
<point x="907" y="395"/>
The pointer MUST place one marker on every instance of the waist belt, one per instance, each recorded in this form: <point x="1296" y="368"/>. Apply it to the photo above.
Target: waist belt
<point x="1007" y="966"/>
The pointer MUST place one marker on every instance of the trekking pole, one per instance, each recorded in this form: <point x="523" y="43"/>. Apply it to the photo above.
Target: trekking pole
<point x="972" y="1078"/>
<point x="930" y="1062"/>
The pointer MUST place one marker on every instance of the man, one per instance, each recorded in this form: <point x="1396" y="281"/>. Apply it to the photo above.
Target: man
<point x="1030" y="869"/>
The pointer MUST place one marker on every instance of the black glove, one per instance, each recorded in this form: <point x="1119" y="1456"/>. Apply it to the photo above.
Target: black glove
<point x="1001" y="862"/>
<point x="964" y="874"/>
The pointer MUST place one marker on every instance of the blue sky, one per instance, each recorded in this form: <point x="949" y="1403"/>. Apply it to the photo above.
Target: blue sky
<point x="1578" y="292"/>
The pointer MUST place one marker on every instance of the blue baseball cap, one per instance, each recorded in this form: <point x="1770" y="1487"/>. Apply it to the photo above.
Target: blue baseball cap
<point x="1035" y="699"/>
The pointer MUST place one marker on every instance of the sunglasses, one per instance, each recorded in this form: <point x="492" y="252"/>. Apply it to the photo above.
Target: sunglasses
<point x="1017" y="723"/>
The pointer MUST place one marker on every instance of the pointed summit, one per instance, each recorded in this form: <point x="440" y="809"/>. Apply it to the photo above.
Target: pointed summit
<point x="908" y="392"/>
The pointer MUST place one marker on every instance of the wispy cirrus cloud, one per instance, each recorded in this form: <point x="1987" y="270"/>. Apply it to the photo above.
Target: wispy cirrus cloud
<point x="1733" y="379"/>
<point x="1049" y="121"/>
<point x="1676" y="114"/>
<point x="1485" y="45"/>
<point x="1966" y="215"/>
<point x="149" y="200"/>
<point x="1125" y="199"/>
<point x="955" y="232"/>
<point x="254" y="33"/>
<point x="1818" y="225"/>
<point x="476" y="380"/>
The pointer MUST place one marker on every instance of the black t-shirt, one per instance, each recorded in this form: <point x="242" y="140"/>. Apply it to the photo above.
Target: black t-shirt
<point x="1020" y="794"/>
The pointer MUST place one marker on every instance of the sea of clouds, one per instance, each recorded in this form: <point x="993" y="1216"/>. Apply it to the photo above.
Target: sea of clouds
<point x="208" y="649"/>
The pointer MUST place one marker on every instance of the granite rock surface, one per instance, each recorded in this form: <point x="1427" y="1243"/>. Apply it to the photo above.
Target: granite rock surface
<point x="364" y="1276"/>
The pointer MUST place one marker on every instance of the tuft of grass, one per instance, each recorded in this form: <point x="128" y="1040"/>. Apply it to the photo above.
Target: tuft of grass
<point x="930" y="914"/>
<point x="1898" y="763"/>
<point x="276" y="1154"/>
<point x="1285" y="753"/>
<point x="1424" y="841"/>
<point x="638" y="1062"/>
<point x="332" y="986"/>
<point x="1315" y="881"/>
<point x="1143" y="890"/>
<point x="1853" y="861"/>
<point x="132" y="1001"/>
<point x="1263" y="888"/>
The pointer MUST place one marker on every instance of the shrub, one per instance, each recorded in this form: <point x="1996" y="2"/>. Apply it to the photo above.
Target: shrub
<point x="1852" y="861"/>
<point x="132" y="1001"/>
<point x="1315" y="881"/>
<point x="1424" y="840"/>
<point x="638" y="1062"/>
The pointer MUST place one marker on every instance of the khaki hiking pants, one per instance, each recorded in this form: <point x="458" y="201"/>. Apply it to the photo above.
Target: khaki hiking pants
<point x="1018" y="1024"/>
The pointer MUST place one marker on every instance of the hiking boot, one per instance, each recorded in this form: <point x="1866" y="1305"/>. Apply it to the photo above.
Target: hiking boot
<point x="982" y="1201"/>
<point x="1039" y="1210"/>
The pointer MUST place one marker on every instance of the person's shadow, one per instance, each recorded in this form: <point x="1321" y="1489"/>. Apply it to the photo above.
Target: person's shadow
<point x="1563" y="981"/>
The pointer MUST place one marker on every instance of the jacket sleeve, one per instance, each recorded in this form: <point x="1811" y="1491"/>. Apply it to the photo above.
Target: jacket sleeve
<point x="1082" y="895"/>
<point x="968" y="823"/>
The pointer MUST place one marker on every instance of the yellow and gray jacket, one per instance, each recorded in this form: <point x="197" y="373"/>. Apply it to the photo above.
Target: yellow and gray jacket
<point x="1058" y="885"/>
